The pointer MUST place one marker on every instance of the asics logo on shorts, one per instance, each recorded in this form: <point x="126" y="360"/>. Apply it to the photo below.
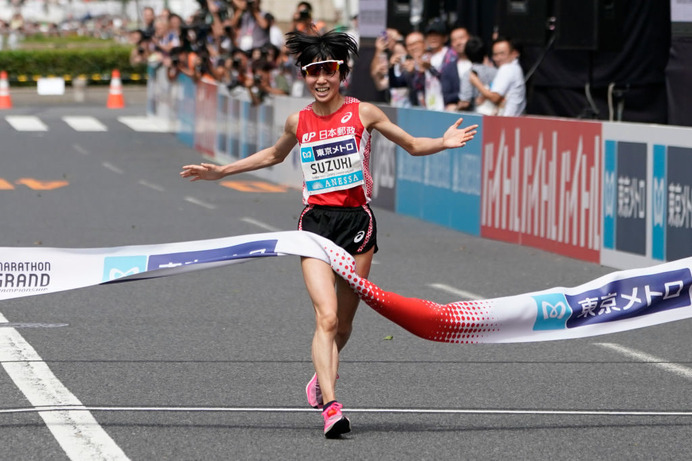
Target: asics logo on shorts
<point x="346" y="117"/>
<point x="359" y="236"/>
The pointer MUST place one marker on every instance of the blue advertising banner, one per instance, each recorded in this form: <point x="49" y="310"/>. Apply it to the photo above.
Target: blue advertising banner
<point x="222" y="120"/>
<point x="679" y="224"/>
<point x="248" y="129"/>
<point x="444" y="188"/>
<point x="383" y="166"/>
<point x="186" y="110"/>
<point x="630" y="227"/>
<point x="659" y="203"/>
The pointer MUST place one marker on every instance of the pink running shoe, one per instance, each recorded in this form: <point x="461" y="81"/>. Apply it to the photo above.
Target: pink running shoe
<point x="314" y="393"/>
<point x="335" y="423"/>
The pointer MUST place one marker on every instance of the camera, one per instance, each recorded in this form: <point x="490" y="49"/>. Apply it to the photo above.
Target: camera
<point x="304" y="14"/>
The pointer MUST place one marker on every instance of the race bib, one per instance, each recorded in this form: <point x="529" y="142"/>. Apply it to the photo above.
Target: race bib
<point x="332" y="164"/>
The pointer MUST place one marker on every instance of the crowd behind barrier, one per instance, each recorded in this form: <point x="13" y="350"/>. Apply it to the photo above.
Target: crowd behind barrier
<point x="604" y="192"/>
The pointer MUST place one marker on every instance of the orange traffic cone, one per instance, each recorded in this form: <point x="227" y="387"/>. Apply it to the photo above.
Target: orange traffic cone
<point x="5" y="99"/>
<point x="115" y="93"/>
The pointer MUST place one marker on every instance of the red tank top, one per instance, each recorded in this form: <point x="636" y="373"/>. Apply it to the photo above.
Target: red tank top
<point x="335" y="157"/>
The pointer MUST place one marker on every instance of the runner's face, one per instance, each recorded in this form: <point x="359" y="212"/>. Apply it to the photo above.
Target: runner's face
<point x="323" y="79"/>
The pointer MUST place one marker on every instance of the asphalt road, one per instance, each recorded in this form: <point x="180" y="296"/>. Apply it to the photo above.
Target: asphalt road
<point x="213" y="364"/>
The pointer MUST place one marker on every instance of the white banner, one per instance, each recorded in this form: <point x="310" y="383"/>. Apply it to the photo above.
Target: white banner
<point x="616" y="302"/>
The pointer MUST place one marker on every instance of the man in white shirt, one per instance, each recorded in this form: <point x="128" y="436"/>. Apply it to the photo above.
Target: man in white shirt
<point x="507" y="92"/>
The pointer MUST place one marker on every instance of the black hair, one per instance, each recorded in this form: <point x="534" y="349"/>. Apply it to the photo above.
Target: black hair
<point x="331" y="45"/>
<point x="305" y="5"/>
<point x="475" y="49"/>
<point x="514" y="45"/>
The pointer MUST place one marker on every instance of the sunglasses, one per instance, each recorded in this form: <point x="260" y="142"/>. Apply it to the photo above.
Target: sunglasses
<point x="328" y="67"/>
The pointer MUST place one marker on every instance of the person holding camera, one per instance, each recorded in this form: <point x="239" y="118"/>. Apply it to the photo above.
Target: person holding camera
<point x="250" y="23"/>
<point x="437" y="55"/>
<point x="408" y="76"/>
<point x="303" y="20"/>
<point x="262" y="83"/>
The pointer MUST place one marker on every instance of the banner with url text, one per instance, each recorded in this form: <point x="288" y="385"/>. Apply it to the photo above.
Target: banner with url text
<point x="620" y="301"/>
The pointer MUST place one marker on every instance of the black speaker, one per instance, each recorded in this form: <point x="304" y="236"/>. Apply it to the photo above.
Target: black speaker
<point x="593" y="25"/>
<point x="399" y="15"/>
<point x="523" y="20"/>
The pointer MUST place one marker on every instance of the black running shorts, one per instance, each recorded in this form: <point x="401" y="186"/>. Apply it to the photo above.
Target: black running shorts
<point x="353" y="229"/>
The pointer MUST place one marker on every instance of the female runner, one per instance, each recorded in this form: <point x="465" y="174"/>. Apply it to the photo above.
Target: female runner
<point x="333" y="133"/>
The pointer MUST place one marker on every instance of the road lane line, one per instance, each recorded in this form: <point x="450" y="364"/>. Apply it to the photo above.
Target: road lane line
<point x="200" y="203"/>
<point x="435" y="411"/>
<point x="80" y="149"/>
<point x="112" y="167"/>
<point x="455" y="291"/>
<point x="26" y="123"/>
<point x="145" y="124"/>
<point x="84" y="123"/>
<point x="150" y="185"/>
<point x="674" y="368"/>
<point x="260" y="224"/>
<point x="75" y="429"/>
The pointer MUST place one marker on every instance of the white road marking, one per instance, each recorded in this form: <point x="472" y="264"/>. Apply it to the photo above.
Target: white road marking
<point x="260" y="224"/>
<point x="145" y="124"/>
<point x="26" y="123"/>
<point x="455" y="291"/>
<point x="150" y="185"/>
<point x="200" y="203"/>
<point x="112" y="167"/>
<point x="75" y="429"/>
<point x="84" y="123"/>
<point x="438" y="411"/>
<point x="674" y="368"/>
<point x="80" y="149"/>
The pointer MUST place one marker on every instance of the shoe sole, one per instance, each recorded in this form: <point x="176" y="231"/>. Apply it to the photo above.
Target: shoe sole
<point x="342" y="426"/>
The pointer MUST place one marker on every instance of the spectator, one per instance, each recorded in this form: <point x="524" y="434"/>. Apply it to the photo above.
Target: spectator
<point x="468" y="94"/>
<point x="507" y="93"/>
<point x="171" y="37"/>
<point x="411" y="74"/>
<point x="276" y="36"/>
<point x="303" y="20"/>
<point x="148" y="18"/>
<point x="379" y="66"/>
<point x="436" y="57"/>
<point x="451" y="72"/>
<point x="251" y="24"/>
<point x="262" y="84"/>
<point x="398" y="95"/>
<point x="141" y="47"/>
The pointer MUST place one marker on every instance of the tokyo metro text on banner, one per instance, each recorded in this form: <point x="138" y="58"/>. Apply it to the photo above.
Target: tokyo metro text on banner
<point x="542" y="184"/>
